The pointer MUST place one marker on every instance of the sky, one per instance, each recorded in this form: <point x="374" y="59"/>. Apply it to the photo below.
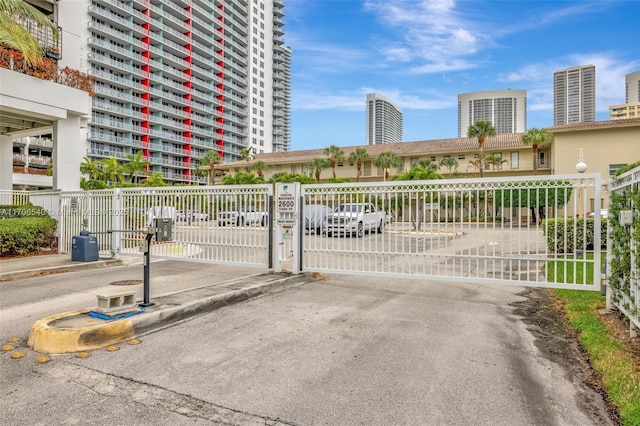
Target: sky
<point x="421" y="54"/>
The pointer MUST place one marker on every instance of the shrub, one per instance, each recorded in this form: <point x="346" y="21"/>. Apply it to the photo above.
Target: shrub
<point x="23" y="235"/>
<point x="562" y="233"/>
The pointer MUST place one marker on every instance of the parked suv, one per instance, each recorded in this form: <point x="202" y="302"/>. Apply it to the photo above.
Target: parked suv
<point x="242" y="216"/>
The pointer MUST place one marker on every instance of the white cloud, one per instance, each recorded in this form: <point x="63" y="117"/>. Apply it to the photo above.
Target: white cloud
<point x="439" y="67"/>
<point x="541" y="17"/>
<point x="433" y="35"/>
<point x="313" y="101"/>
<point x="355" y="100"/>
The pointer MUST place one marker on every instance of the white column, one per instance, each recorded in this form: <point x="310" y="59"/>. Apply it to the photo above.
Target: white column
<point x="67" y="154"/>
<point x="6" y="165"/>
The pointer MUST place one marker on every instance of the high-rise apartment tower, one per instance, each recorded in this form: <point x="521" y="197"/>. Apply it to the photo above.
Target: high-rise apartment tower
<point x="574" y="95"/>
<point x="505" y="109"/>
<point x="177" y="78"/>
<point x="384" y="120"/>
<point x="631" y="107"/>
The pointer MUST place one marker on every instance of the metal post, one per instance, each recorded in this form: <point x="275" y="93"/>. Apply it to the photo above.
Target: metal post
<point x="147" y="261"/>
<point x="270" y="250"/>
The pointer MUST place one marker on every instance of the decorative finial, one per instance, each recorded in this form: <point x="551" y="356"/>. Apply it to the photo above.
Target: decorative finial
<point x="581" y="167"/>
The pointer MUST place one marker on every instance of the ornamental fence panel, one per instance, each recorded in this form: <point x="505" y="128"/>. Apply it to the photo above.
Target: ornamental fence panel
<point x="529" y="231"/>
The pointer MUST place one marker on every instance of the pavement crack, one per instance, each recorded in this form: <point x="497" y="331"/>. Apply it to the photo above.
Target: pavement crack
<point x="157" y="397"/>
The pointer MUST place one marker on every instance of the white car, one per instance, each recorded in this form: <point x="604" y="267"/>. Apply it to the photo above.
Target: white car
<point x="242" y="216"/>
<point x="192" y="216"/>
<point x="604" y="213"/>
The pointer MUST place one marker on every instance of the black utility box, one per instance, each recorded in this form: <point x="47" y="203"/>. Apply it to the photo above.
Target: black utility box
<point x="84" y="247"/>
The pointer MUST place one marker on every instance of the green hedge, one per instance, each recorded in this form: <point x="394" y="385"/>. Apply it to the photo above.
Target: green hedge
<point x="563" y="232"/>
<point x="13" y="211"/>
<point x="24" y="235"/>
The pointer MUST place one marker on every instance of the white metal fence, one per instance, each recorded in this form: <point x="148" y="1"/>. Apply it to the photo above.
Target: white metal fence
<point x="85" y="210"/>
<point x="623" y="257"/>
<point x="226" y="224"/>
<point x="229" y="224"/>
<point x="488" y="231"/>
<point x="528" y="231"/>
<point x="19" y="198"/>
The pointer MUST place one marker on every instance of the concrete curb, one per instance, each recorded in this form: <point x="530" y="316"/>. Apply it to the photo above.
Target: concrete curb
<point x="45" y="337"/>
<point x="28" y="273"/>
<point x="162" y="317"/>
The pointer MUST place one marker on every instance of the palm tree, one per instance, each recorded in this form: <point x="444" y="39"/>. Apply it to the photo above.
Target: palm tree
<point x="358" y="156"/>
<point x="418" y="173"/>
<point x="450" y="163"/>
<point x="536" y="138"/>
<point x="153" y="180"/>
<point x="495" y="160"/>
<point x="16" y="36"/>
<point x="210" y="159"/>
<point x="481" y="129"/>
<point x="317" y="165"/>
<point x="286" y="177"/>
<point x="135" y="166"/>
<point x="242" y="178"/>
<point x="475" y="164"/>
<point x="259" y="167"/>
<point x="92" y="168"/>
<point x="427" y="165"/>
<point x="112" y="170"/>
<point x="247" y="154"/>
<point x="336" y="155"/>
<point x="387" y="160"/>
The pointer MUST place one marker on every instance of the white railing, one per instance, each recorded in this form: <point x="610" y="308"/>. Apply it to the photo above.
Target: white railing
<point x="120" y="219"/>
<point x="8" y="196"/>
<point x="199" y="232"/>
<point x="528" y="231"/>
<point x="487" y="231"/>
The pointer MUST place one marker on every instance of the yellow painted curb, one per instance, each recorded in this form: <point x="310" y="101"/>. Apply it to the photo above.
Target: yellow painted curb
<point x="48" y="339"/>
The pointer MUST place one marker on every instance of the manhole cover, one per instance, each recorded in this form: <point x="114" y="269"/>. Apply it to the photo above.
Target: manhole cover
<point x="127" y="282"/>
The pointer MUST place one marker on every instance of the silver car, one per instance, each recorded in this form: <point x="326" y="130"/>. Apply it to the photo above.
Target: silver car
<point x="314" y="217"/>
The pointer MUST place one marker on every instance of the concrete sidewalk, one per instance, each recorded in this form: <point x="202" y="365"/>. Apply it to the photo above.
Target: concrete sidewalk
<point x="80" y="330"/>
<point x="25" y="267"/>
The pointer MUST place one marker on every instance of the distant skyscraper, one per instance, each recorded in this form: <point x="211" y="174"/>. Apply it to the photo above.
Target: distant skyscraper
<point x="574" y="95"/>
<point x="384" y="120"/>
<point x="632" y="87"/>
<point x="631" y="107"/>
<point x="505" y="109"/>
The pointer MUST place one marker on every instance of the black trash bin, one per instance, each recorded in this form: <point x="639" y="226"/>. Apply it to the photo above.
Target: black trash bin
<point x="84" y="247"/>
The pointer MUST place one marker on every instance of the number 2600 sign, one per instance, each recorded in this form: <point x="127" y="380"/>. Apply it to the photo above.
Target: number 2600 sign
<point x="286" y="204"/>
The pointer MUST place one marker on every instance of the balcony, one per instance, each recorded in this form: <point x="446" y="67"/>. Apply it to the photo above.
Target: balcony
<point x="51" y="45"/>
<point x="31" y="161"/>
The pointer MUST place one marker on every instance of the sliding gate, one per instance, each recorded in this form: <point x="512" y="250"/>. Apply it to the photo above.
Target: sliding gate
<point x="533" y="231"/>
<point x="530" y="231"/>
<point x="221" y="224"/>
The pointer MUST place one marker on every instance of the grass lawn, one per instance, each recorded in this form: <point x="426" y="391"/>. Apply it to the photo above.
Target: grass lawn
<point x="573" y="269"/>
<point x="615" y="364"/>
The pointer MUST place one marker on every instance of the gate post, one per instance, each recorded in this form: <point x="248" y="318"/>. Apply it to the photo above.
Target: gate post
<point x="287" y="238"/>
<point x="597" y="234"/>
<point x="117" y="211"/>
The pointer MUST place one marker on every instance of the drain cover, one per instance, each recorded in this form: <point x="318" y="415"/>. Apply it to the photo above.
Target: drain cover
<point x="127" y="282"/>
